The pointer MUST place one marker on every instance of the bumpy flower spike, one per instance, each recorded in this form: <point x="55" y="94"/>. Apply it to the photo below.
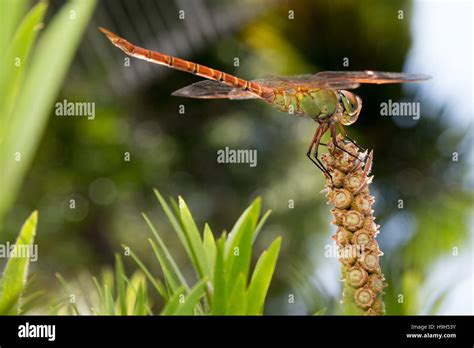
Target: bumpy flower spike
<point x="355" y="237"/>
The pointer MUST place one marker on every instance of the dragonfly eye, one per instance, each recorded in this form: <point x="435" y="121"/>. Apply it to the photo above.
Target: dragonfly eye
<point x="352" y="106"/>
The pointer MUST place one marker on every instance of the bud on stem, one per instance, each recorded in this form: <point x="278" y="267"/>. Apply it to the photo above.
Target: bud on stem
<point x="358" y="250"/>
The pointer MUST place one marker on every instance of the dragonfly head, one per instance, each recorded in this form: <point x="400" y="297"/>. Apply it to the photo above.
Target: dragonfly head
<point x="352" y="106"/>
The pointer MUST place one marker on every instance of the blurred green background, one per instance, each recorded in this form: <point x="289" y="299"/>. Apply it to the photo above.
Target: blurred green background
<point x="427" y="244"/>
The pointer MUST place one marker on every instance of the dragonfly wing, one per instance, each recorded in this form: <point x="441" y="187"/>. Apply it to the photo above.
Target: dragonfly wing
<point x="292" y="83"/>
<point x="209" y="89"/>
<point x="352" y="79"/>
<point x="284" y="81"/>
<point x="338" y="79"/>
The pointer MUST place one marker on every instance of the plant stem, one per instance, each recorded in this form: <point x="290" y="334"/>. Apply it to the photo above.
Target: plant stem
<point x="355" y="237"/>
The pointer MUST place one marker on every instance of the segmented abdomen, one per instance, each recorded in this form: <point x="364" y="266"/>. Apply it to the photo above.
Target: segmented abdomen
<point x="190" y="67"/>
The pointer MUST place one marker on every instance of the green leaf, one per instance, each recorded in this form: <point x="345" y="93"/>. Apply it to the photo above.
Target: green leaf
<point x="157" y="284"/>
<point x="108" y="278"/>
<point x="219" y="284"/>
<point x="195" y="243"/>
<point x="170" y="278"/>
<point x="261" y="278"/>
<point x="209" y="248"/>
<point x="238" y="297"/>
<point x="172" y="305"/>
<point x="261" y="223"/>
<point x="109" y="301"/>
<point x="46" y="71"/>
<point x="252" y="213"/>
<point x="121" y="287"/>
<point x="174" y="222"/>
<point x="132" y="291"/>
<point x="11" y="12"/>
<point x="179" y="229"/>
<point x="191" y="303"/>
<point x="175" y="307"/>
<point x="30" y="301"/>
<point x="18" y="51"/>
<point x="16" y="271"/>
<point x="175" y="206"/>
<point x="140" y="305"/>
<point x="68" y="293"/>
<point x="240" y="249"/>
<point x="101" y="296"/>
<point x="167" y="262"/>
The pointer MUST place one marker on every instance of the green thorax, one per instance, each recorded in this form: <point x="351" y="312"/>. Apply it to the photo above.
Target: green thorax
<point x="315" y="103"/>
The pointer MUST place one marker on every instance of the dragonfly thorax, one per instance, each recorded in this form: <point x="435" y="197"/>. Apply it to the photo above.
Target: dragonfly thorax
<point x="318" y="104"/>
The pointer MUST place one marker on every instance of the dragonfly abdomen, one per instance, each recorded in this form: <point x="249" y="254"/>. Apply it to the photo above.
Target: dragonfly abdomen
<point x="212" y="74"/>
<point x="187" y="66"/>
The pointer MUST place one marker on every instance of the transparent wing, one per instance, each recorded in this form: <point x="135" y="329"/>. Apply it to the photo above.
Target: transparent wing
<point x="209" y="89"/>
<point x="281" y="81"/>
<point x="292" y="83"/>
<point x="338" y="79"/>
<point x="351" y="78"/>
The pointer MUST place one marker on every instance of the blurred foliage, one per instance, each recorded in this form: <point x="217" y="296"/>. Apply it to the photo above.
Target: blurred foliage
<point x="116" y="294"/>
<point x="15" y="275"/>
<point x="222" y="267"/>
<point x="84" y="160"/>
<point x="28" y="86"/>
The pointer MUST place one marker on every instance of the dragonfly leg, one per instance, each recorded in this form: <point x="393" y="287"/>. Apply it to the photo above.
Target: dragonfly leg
<point x="315" y="143"/>
<point x="353" y="142"/>
<point x="320" y="166"/>
<point x="336" y="144"/>
<point x="361" y="149"/>
<point x="346" y="136"/>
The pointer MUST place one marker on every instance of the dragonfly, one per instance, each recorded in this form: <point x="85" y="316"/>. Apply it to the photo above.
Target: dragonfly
<point x="324" y="96"/>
